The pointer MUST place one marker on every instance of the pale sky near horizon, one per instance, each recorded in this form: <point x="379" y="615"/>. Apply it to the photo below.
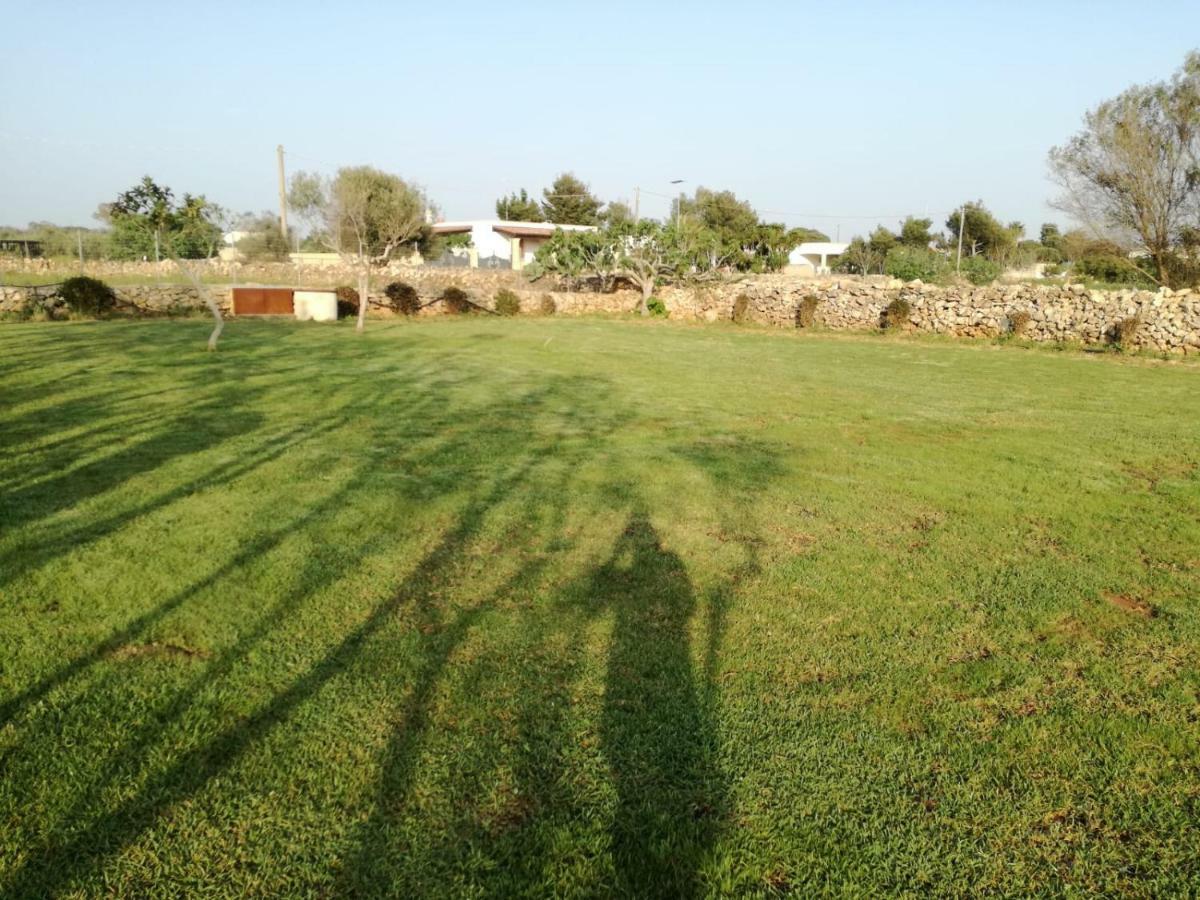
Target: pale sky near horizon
<point x="829" y="115"/>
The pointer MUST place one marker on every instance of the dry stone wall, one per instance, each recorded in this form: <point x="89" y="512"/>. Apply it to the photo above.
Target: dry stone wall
<point x="1169" y="320"/>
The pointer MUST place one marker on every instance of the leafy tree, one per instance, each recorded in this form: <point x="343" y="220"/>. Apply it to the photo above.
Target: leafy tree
<point x="1134" y="168"/>
<point x="365" y="215"/>
<point x="980" y="270"/>
<point x="569" y="202"/>
<point x="983" y="234"/>
<point x="806" y="235"/>
<point x="912" y="263"/>
<point x="518" y="208"/>
<point x="617" y="213"/>
<point x="646" y="253"/>
<point x="1050" y="236"/>
<point x="881" y="242"/>
<point x="859" y="258"/>
<point x="264" y="240"/>
<point x="146" y="220"/>
<point x="915" y="232"/>
<point x="725" y="232"/>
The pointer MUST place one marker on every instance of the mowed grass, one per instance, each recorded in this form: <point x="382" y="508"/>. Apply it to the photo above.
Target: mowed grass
<point x="588" y="608"/>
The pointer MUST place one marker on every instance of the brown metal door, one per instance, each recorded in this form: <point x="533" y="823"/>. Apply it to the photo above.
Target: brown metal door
<point x="262" y="301"/>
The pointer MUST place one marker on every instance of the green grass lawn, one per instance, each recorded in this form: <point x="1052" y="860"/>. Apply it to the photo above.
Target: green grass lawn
<point x="583" y="607"/>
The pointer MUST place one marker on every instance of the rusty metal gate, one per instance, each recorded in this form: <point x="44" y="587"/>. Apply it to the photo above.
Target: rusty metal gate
<point x="260" y="301"/>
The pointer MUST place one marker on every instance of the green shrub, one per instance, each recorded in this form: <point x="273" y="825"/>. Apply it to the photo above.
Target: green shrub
<point x="1125" y="331"/>
<point x="1052" y="270"/>
<point x="657" y="308"/>
<point x="456" y="301"/>
<point x="507" y="302"/>
<point x="266" y="245"/>
<point x="913" y="263"/>
<point x="1018" y="323"/>
<point x="347" y="301"/>
<point x="897" y="314"/>
<point x="806" y="312"/>
<point x="1111" y="268"/>
<point x="741" y="309"/>
<point x="403" y="298"/>
<point x="980" y="270"/>
<point x="87" y="296"/>
<point x="547" y="306"/>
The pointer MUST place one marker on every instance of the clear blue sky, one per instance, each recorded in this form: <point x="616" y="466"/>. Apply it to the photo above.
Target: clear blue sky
<point x="840" y="109"/>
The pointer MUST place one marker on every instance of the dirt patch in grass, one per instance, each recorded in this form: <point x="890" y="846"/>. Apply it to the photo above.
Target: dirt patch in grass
<point x="1148" y="475"/>
<point x="1134" y="605"/>
<point x="156" y="650"/>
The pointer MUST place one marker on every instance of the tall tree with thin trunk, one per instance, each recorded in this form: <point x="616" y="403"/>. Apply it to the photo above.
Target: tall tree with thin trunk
<point x="365" y="215"/>
<point x="1134" y="168"/>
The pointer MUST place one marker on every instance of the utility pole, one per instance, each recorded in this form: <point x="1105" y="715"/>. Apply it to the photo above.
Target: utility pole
<point x="79" y="241"/>
<point x="637" y="204"/>
<point x="282" y="193"/>
<point x="962" y="215"/>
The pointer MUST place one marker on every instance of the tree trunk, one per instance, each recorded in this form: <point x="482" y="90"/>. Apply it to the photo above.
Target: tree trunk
<point x="647" y="290"/>
<point x="364" y="287"/>
<point x="206" y="295"/>
<point x="1160" y="263"/>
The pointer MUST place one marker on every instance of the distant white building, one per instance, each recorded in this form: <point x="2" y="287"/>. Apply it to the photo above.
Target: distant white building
<point x="814" y="257"/>
<point x="514" y="241"/>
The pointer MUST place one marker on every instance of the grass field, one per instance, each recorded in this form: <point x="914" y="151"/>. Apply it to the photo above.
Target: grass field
<point x="581" y="607"/>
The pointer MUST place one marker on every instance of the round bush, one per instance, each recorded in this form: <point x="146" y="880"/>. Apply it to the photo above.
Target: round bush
<point x="897" y="314"/>
<point x="547" y="306"/>
<point x="1018" y="323"/>
<point x="806" y="312"/>
<point x="914" y="263"/>
<point x="980" y="270"/>
<point x="403" y="298"/>
<point x="741" y="309"/>
<point x="347" y="301"/>
<point x="1124" y="332"/>
<point x="87" y="296"/>
<point x="507" y="302"/>
<point x="456" y="300"/>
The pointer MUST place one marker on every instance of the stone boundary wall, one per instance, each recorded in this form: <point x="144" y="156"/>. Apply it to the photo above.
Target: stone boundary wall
<point x="1170" y="320"/>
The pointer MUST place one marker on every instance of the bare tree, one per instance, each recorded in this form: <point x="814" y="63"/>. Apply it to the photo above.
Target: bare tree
<point x="362" y="214"/>
<point x="1134" y="168"/>
<point x="206" y="295"/>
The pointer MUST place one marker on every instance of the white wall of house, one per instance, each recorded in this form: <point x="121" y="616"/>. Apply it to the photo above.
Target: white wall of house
<point x="815" y="257"/>
<point x="489" y="242"/>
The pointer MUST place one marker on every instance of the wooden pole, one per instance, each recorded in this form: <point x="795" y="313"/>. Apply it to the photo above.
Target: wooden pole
<point x="962" y="214"/>
<point x="282" y="192"/>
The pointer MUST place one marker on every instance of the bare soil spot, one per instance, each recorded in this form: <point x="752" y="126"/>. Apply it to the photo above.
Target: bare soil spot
<point x="156" y="650"/>
<point x="1135" y="605"/>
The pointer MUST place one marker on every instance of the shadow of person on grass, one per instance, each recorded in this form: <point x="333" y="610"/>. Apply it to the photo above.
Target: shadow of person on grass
<point x="655" y="732"/>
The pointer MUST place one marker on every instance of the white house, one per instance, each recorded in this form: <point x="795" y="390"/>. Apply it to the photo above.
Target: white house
<point x="515" y="241"/>
<point x="814" y="257"/>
